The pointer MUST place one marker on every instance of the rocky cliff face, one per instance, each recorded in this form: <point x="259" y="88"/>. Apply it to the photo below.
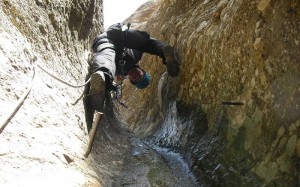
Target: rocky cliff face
<point x="230" y="51"/>
<point x="237" y="51"/>
<point x="45" y="142"/>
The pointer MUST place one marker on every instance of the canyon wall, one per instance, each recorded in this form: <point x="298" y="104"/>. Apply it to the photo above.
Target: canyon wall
<point x="44" y="143"/>
<point x="230" y="51"/>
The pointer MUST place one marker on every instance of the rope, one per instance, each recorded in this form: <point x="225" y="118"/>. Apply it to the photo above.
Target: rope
<point x="19" y="104"/>
<point x="26" y="93"/>
<point x="60" y="80"/>
<point x="77" y="86"/>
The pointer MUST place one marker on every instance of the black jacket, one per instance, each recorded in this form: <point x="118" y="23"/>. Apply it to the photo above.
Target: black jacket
<point x="129" y="46"/>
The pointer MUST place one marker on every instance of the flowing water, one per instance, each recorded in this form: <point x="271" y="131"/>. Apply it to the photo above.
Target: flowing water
<point x="122" y="159"/>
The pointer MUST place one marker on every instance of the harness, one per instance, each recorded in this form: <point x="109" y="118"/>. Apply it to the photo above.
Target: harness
<point x="117" y="92"/>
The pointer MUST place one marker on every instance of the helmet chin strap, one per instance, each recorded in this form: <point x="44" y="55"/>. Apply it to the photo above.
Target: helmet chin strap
<point x="139" y="73"/>
<point x="143" y="83"/>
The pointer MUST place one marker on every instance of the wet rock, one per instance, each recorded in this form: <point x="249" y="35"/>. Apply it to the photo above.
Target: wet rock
<point x="263" y="5"/>
<point x="298" y="147"/>
<point x="292" y="128"/>
<point x="284" y="164"/>
<point x="291" y="146"/>
<point x="268" y="171"/>
<point x="282" y="144"/>
<point x="280" y="132"/>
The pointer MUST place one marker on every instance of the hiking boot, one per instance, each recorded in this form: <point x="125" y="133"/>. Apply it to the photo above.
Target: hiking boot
<point x="97" y="91"/>
<point x="171" y="61"/>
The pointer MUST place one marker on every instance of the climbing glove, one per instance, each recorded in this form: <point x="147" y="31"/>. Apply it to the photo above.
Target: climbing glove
<point x="171" y="61"/>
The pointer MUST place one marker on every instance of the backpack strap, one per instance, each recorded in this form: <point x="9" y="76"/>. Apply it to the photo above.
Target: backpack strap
<point x="122" y="61"/>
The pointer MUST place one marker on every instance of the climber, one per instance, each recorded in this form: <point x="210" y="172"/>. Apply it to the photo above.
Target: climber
<point x="117" y="52"/>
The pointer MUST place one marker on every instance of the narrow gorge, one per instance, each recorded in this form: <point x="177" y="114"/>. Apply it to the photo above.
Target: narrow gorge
<point x="231" y="117"/>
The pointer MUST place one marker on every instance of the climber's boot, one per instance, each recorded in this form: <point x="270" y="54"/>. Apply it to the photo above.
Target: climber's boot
<point x="97" y="91"/>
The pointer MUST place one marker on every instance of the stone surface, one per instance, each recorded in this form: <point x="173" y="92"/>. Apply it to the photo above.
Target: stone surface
<point x="44" y="143"/>
<point x="245" y="51"/>
<point x="291" y="146"/>
<point x="298" y="147"/>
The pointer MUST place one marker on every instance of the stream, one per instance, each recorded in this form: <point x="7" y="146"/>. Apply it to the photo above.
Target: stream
<point x="122" y="159"/>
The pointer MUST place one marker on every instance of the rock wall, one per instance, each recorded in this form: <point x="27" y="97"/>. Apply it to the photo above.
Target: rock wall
<point x="237" y="51"/>
<point x="46" y="140"/>
<point x="230" y="50"/>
